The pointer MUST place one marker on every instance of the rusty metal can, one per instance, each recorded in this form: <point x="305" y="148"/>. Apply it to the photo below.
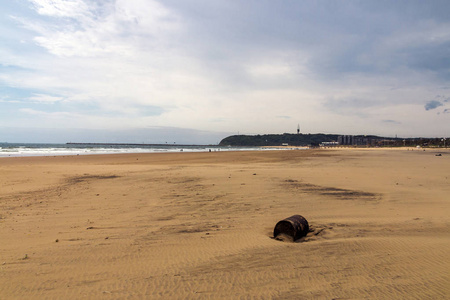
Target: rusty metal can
<point x="295" y="226"/>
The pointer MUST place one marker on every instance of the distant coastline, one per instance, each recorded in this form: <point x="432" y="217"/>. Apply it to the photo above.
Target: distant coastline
<point x="143" y="144"/>
<point x="329" y="140"/>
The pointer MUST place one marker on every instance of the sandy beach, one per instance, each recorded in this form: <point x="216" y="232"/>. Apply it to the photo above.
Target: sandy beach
<point x="199" y="225"/>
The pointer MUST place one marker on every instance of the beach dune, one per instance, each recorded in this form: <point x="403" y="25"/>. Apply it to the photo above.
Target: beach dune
<point x="199" y="225"/>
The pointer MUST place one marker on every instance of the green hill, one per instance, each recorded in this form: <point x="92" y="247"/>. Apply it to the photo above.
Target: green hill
<point x="278" y="139"/>
<point x="317" y="138"/>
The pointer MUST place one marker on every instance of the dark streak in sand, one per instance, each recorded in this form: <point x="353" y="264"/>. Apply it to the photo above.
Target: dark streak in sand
<point x="339" y="193"/>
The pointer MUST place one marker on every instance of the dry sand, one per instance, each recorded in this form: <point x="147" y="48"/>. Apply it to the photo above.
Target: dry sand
<point x="198" y="225"/>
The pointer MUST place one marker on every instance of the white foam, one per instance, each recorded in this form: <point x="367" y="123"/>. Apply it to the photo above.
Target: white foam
<point x="18" y="150"/>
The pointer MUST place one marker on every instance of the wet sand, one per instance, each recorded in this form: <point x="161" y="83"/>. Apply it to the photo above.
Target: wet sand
<point x="199" y="225"/>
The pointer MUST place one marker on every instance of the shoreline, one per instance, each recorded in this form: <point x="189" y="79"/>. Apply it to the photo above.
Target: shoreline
<point x="225" y="149"/>
<point x="20" y="150"/>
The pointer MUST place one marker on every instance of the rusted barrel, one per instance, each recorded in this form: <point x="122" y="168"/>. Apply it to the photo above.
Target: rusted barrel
<point x="295" y="226"/>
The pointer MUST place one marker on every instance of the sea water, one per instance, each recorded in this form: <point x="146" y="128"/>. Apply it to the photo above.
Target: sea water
<point x="19" y="149"/>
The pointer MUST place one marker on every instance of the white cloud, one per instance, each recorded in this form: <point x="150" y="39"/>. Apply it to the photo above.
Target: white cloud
<point x="270" y="70"/>
<point x="44" y="98"/>
<point x="120" y="28"/>
<point x="46" y="114"/>
<point x="61" y="8"/>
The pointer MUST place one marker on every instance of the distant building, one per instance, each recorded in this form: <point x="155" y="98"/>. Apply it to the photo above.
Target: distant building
<point x="345" y="140"/>
<point x="353" y="140"/>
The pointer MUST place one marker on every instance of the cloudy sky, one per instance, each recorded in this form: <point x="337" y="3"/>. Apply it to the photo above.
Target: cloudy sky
<point x="155" y="71"/>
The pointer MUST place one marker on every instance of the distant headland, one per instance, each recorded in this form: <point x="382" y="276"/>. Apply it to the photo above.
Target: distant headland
<point x="321" y="139"/>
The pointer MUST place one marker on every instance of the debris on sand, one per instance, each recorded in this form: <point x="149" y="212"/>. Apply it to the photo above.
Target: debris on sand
<point x="294" y="227"/>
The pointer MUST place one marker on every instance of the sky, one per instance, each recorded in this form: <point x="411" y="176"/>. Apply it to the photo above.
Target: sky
<point x="198" y="71"/>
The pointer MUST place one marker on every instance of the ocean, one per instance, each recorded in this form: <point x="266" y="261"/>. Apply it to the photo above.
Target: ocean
<point x="24" y="149"/>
